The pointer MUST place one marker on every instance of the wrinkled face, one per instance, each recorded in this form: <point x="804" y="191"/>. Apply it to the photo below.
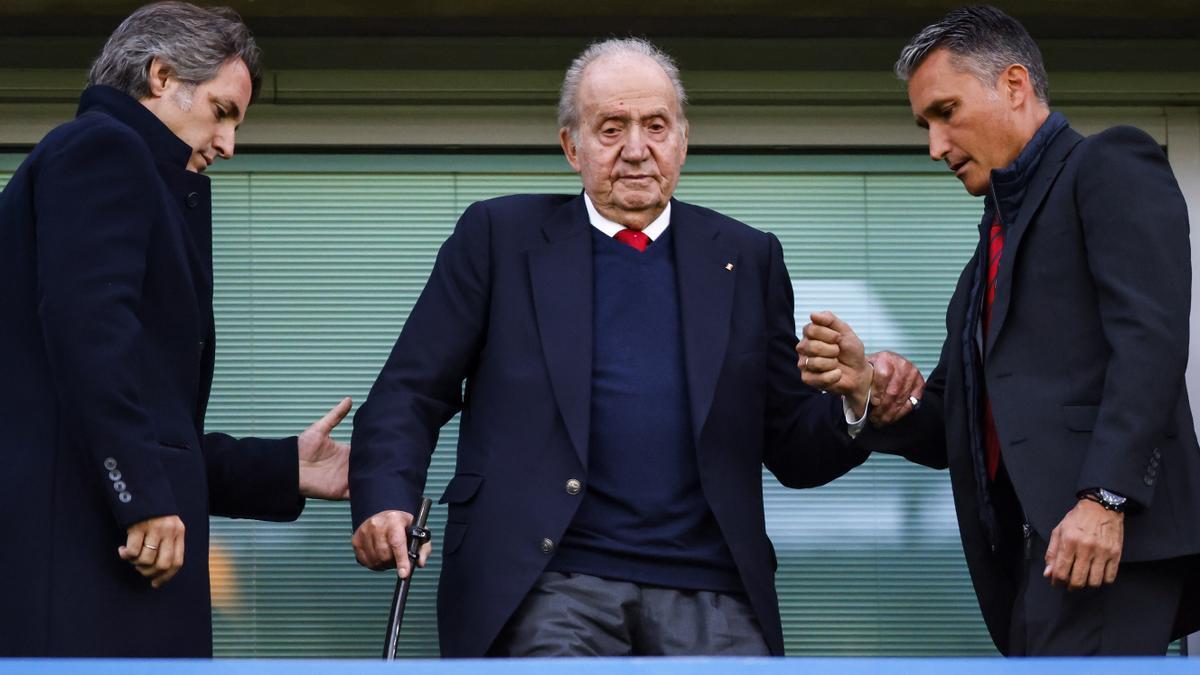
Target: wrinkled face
<point x="205" y="116"/>
<point x="972" y="127"/>
<point x="631" y="141"/>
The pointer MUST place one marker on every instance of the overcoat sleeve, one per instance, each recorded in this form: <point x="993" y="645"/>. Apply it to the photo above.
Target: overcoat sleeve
<point x="1135" y="228"/>
<point x="94" y="199"/>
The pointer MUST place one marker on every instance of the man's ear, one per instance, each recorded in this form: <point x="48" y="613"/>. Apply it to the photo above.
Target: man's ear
<point x="157" y="77"/>
<point x="569" y="149"/>
<point x="1017" y="85"/>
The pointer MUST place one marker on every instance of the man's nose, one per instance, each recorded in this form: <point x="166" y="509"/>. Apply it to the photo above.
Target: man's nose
<point x="939" y="146"/>
<point x="223" y="143"/>
<point x="635" y="148"/>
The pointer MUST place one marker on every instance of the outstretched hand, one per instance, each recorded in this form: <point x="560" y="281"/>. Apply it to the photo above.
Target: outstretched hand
<point x="325" y="463"/>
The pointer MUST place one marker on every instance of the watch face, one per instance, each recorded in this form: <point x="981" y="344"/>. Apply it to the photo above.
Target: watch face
<point x="1110" y="498"/>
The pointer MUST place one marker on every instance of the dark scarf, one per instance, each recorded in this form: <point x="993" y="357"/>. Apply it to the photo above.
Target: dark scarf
<point x="1005" y="197"/>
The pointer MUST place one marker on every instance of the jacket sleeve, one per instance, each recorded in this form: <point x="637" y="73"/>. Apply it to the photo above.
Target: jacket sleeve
<point x="420" y="386"/>
<point x="805" y="440"/>
<point x="919" y="436"/>
<point x="253" y="477"/>
<point x="1135" y="229"/>
<point x="94" y="200"/>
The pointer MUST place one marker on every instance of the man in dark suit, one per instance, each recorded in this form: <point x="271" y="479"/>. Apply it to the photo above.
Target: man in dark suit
<point x="1058" y="402"/>
<point x="107" y="356"/>
<point x="629" y="368"/>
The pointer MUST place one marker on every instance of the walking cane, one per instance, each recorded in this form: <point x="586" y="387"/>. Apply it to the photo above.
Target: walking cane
<point x="418" y="536"/>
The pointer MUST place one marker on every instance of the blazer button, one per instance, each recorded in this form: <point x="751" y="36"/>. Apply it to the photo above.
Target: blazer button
<point x="1148" y="480"/>
<point x="119" y="486"/>
<point x="125" y="497"/>
<point x="110" y="463"/>
<point x="547" y="546"/>
<point x="192" y="200"/>
<point x="574" y="486"/>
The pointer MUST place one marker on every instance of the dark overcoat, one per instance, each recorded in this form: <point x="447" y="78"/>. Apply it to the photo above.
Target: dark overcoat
<point x="106" y="362"/>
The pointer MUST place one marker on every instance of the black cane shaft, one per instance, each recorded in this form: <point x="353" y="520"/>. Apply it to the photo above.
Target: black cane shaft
<point x="400" y="595"/>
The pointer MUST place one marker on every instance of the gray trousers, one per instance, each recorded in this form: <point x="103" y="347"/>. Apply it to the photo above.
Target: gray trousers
<point x="582" y="615"/>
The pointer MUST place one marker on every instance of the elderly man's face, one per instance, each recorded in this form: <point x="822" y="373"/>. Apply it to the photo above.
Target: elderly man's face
<point x="972" y="127"/>
<point x="205" y="116"/>
<point x="631" y="140"/>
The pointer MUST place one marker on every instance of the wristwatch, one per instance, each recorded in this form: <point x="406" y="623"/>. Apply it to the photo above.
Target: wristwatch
<point x="1109" y="500"/>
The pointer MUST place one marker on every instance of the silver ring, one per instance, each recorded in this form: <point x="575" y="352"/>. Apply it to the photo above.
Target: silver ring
<point x="152" y="547"/>
<point x="914" y="401"/>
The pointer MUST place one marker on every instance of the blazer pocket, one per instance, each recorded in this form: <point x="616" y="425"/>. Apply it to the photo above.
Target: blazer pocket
<point x="1080" y="417"/>
<point x="462" y="489"/>
<point x="455" y="533"/>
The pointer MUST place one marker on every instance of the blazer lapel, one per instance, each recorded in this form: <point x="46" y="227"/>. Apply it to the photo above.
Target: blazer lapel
<point x="561" y="277"/>
<point x="1039" y="186"/>
<point x="706" y="271"/>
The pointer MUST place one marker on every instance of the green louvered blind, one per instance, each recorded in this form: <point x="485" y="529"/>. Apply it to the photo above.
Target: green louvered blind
<point x="319" y="259"/>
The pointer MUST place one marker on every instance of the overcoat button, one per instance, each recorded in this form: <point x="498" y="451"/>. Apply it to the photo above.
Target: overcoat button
<point x="193" y="200"/>
<point x="119" y="486"/>
<point x="110" y="463"/>
<point x="114" y="475"/>
<point x="547" y="546"/>
<point x="574" y="486"/>
<point x="125" y="497"/>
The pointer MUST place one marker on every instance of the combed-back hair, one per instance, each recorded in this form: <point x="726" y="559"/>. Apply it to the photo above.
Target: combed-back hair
<point x="568" y="99"/>
<point x="194" y="42"/>
<point x="982" y="40"/>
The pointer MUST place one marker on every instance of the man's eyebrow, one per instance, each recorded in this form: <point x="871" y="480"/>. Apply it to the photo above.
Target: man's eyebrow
<point x="231" y="108"/>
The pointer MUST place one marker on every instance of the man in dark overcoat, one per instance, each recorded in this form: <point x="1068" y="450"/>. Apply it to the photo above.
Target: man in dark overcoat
<point x="1059" y="402"/>
<point x="107" y="352"/>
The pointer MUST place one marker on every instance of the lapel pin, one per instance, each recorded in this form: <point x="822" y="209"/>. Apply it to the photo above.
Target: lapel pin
<point x="728" y="267"/>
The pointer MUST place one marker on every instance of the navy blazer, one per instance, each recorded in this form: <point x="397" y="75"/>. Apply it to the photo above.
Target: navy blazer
<point x="508" y="311"/>
<point x="106" y="362"/>
<point x="1084" y="362"/>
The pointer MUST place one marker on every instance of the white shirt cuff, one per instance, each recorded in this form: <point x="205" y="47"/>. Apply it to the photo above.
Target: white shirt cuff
<point x="854" y="427"/>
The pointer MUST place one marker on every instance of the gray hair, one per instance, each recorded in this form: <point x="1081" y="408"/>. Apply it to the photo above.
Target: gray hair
<point x="194" y="42"/>
<point x="568" y="99"/>
<point x="982" y="40"/>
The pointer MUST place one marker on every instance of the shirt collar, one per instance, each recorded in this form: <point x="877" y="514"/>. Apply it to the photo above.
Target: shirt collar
<point x="610" y="229"/>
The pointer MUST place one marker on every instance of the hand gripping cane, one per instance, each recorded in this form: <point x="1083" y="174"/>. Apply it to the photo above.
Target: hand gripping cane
<point x="417" y="537"/>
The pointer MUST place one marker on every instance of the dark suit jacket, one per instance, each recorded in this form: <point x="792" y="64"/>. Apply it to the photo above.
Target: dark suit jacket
<point x="1084" y="362"/>
<point x="508" y="308"/>
<point x="106" y="360"/>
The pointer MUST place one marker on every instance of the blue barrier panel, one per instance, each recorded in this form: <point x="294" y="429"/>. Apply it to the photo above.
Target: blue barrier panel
<point x="634" y="666"/>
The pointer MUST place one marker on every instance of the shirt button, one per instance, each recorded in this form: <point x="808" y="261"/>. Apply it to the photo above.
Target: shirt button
<point x="574" y="486"/>
<point x="192" y="200"/>
<point x="547" y="546"/>
<point x="110" y="463"/>
<point x="125" y="497"/>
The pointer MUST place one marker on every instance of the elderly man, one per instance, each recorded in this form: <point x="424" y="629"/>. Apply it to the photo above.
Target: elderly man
<point x="1059" y="401"/>
<point x="107" y="356"/>
<point x="629" y="368"/>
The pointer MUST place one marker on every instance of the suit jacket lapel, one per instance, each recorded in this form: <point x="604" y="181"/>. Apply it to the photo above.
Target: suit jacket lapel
<point x="561" y="277"/>
<point x="1039" y="186"/>
<point x="705" y="304"/>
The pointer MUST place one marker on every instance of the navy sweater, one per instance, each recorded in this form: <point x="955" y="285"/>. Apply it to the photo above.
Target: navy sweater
<point x="643" y="517"/>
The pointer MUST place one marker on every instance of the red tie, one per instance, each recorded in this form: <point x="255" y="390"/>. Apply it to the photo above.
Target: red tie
<point x="991" y="440"/>
<point x="633" y="238"/>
